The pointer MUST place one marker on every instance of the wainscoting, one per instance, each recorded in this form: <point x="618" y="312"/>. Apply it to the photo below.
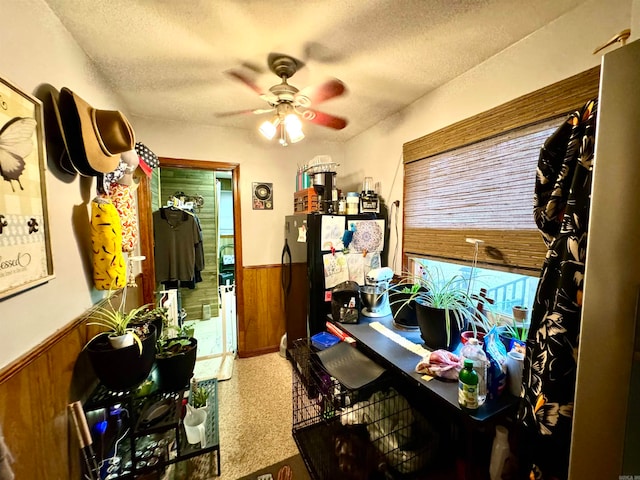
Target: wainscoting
<point x="36" y="389"/>
<point x="262" y="322"/>
<point x="34" y="393"/>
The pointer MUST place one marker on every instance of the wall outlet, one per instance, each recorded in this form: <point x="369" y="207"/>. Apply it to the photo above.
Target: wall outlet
<point x="206" y="311"/>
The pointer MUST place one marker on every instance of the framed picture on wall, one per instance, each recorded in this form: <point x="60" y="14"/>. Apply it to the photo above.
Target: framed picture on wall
<point x="25" y="250"/>
<point x="262" y="195"/>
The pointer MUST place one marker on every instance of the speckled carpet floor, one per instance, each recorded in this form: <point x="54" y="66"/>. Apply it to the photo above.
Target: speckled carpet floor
<point x="255" y="414"/>
<point x="298" y="469"/>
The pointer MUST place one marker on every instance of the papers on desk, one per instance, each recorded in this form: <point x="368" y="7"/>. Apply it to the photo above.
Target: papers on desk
<point x="400" y="340"/>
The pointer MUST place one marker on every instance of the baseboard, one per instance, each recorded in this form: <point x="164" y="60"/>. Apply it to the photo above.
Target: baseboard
<point x="260" y="351"/>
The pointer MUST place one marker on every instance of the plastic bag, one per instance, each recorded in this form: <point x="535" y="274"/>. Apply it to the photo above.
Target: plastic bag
<point x="440" y="363"/>
<point x="496" y="371"/>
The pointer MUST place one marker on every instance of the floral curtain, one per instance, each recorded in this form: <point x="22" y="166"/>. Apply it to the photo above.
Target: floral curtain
<point x="561" y="210"/>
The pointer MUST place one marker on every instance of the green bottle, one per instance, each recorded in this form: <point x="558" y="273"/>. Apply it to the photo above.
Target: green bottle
<point x="468" y="387"/>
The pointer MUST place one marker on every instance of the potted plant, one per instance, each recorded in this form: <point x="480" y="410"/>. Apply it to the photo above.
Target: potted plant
<point x="122" y="356"/>
<point x="480" y="325"/>
<point x="513" y="331"/>
<point x="402" y="304"/>
<point x="175" y="359"/>
<point x="199" y="396"/>
<point x="444" y="307"/>
<point x="156" y="316"/>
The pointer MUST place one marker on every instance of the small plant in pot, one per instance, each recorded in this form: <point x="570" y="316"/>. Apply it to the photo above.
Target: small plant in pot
<point x="444" y="307"/>
<point x="120" y="363"/>
<point x="514" y="331"/>
<point x="156" y="316"/>
<point x="199" y="396"/>
<point x="402" y="303"/>
<point x="175" y="360"/>
<point x="480" y="325"/>
<point x="118" y="323"/>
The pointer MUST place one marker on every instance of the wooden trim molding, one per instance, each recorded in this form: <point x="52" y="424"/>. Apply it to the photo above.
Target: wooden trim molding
<point x="552" y="101"/>
<point x="29" y="357"/>
<point x="147" y="248"/>
<point x="35" y="390"/>
<point x="145" y="228"/>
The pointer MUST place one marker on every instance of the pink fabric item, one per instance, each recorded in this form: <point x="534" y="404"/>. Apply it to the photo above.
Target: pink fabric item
<point x="440" y="363"/>
<point x="123" y="201"/>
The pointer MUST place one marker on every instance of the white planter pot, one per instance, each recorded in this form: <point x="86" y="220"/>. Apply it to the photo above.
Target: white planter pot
<point x="121" y="341"/>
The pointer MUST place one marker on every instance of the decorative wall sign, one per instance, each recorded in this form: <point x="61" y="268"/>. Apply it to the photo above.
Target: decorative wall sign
<point x="262" y="196"/>
<point x="25" y="252"/>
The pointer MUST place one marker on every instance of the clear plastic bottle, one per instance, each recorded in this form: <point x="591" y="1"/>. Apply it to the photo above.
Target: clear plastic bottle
<point x="472" y="350"/>
<point x="499" y="452"/>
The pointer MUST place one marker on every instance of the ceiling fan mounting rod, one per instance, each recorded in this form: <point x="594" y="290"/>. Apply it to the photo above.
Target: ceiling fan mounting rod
<point x="284" y="67"/>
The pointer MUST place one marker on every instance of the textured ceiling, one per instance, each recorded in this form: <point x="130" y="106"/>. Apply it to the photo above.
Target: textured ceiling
<point x="167" y="59"/>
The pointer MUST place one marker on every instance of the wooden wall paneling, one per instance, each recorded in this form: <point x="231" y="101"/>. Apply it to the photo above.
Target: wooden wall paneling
<point x="34" y="393"/>
<point x="263" y="322"/>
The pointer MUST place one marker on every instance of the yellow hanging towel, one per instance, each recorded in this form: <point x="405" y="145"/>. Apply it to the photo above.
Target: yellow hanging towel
<point x="109" y="267"/>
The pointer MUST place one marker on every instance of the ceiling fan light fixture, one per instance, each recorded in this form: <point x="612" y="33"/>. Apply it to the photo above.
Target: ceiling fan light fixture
<point x="268" y="129"/>
<point x="292" y="122"/>
<point x="293" y="126"/>
<point x="295" y="136"/>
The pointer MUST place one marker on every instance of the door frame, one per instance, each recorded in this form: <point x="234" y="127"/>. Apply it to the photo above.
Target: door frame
<point x="145" y="219"/>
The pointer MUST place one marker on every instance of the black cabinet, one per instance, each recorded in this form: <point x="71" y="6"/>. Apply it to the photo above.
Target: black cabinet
<point x="142" y="435"/>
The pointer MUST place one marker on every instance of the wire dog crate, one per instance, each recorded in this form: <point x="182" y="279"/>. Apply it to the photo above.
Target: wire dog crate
<point x="364" y="434"/>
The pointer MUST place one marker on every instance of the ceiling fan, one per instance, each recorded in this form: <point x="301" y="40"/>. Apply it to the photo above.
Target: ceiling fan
<point x="288" y="103"/>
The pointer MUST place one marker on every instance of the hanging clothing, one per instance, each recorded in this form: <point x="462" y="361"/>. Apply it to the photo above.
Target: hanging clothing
<point x="561" y="210"/>
<point x="122" y="198"/>
<point x="109" y="267"/>
<point x="177" y="236"/>
<point x="199" y="267"/>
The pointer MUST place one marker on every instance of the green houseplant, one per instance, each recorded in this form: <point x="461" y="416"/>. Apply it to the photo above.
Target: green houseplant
<point x="444" y="306"/>
<point x="402" y="303"/>
<point x="199" y="395"/>
<point x="118" y="323"/>
<point x="175" y="358"/>
<point x="508" y="330"/>
<point x="120" y="367"/>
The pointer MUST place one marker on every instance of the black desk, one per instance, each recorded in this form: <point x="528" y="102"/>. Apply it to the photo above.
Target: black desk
<point x="389" y="354"/>
<point x="396" y="358"/>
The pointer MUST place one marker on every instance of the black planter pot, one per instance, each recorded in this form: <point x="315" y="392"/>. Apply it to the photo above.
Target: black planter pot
<point x="123" y="368"/>
<point x="174" y="372"/>
<point x="403" y="309"/>
<point x="155" y="321"/>
<point x="433" y="328"/>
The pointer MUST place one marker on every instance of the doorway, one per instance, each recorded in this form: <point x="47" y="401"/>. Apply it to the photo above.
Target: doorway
<point x="210" y="191"/>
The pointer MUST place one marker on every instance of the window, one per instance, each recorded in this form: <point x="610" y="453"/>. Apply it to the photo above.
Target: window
<point x="476" y="178"/>
<point x="506" y="289"/>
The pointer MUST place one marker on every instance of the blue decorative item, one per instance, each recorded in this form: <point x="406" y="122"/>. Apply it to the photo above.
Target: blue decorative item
<point x="348" y="235"/>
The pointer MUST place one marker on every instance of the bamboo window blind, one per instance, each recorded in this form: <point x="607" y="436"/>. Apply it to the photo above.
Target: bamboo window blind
<point x="476" y="179"/>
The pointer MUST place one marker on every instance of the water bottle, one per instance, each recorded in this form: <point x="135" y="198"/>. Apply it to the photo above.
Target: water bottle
<point x="499" y="453"/>
<point x="473" y="351"/>
<point x="468" y="387"/>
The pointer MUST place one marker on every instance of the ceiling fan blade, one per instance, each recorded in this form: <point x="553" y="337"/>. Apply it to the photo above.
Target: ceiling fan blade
<point x="255" y="111"/>
<point x="323" y="92"/>
<point x="324" y="119"/>
<point x="244" y="78"/>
